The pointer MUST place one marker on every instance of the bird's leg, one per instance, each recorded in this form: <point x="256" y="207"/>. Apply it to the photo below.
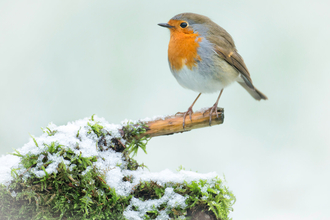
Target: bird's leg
<point x="214" y="108"/>
<point x="190" y="111"/>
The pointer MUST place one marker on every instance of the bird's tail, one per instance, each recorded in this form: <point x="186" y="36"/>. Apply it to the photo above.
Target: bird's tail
<point x="255" y="93"/>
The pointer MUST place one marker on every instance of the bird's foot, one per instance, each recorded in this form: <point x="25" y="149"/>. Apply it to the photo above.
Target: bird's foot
<point x="212" y="110"/>
<point x="190" y="111"/>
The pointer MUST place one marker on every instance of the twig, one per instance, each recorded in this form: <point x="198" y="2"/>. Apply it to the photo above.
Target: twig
<point x="173" y="124"/>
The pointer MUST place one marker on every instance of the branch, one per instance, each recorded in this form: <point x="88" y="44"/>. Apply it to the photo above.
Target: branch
<point x="173" y="124"/>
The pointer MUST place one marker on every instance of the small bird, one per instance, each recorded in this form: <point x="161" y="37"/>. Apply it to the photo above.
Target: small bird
<point x="203" y="57"/>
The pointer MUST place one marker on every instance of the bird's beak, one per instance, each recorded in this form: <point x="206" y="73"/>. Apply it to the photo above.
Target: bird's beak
<point x="165" y="25"/>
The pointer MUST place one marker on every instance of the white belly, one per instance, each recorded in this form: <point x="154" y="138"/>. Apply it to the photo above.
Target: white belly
<point x="207" y="80"/>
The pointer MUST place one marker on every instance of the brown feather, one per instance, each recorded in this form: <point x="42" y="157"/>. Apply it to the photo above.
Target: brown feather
<point x="226" y="50"/>
<point x="234" y="59"/>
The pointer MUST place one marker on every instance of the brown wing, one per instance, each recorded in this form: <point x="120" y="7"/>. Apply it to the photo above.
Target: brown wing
<point x="234" y="59"/>
<point x="225" y="49"/>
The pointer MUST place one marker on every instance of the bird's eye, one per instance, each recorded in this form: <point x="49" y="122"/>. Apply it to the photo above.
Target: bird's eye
<point x="183" y="24"/>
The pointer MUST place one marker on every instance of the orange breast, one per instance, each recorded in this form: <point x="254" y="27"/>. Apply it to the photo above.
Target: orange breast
<point x="182" y="50"/>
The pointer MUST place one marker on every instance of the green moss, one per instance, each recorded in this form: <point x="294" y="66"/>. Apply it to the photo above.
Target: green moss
<point x="78" y="190"/>
<point x="148" y="190"/>
<point x="96" y="128"/>
<point x="76" y="193"/>
<point x="48" y="131"/>
<point x="214" y="199"/>
<point x="131" y="131"/>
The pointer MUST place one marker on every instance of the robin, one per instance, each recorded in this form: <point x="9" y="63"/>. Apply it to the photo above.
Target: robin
<point x="203" y="58"/>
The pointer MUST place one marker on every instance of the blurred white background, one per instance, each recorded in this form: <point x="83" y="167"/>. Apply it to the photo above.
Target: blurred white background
<point x="65" y="60"/>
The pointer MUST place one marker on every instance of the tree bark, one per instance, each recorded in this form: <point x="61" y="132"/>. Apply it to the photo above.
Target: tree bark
<point x="173" y="124"/>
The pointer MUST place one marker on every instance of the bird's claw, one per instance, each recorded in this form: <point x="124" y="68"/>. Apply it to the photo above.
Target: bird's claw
<point x="212" y="110"/>
<point x="189" y="111"/>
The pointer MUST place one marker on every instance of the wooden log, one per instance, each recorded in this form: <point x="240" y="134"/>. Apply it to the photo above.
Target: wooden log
<point x="173" y="124"/>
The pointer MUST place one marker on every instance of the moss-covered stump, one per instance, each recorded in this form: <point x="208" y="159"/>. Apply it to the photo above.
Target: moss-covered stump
<point x="84" y="170"/>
